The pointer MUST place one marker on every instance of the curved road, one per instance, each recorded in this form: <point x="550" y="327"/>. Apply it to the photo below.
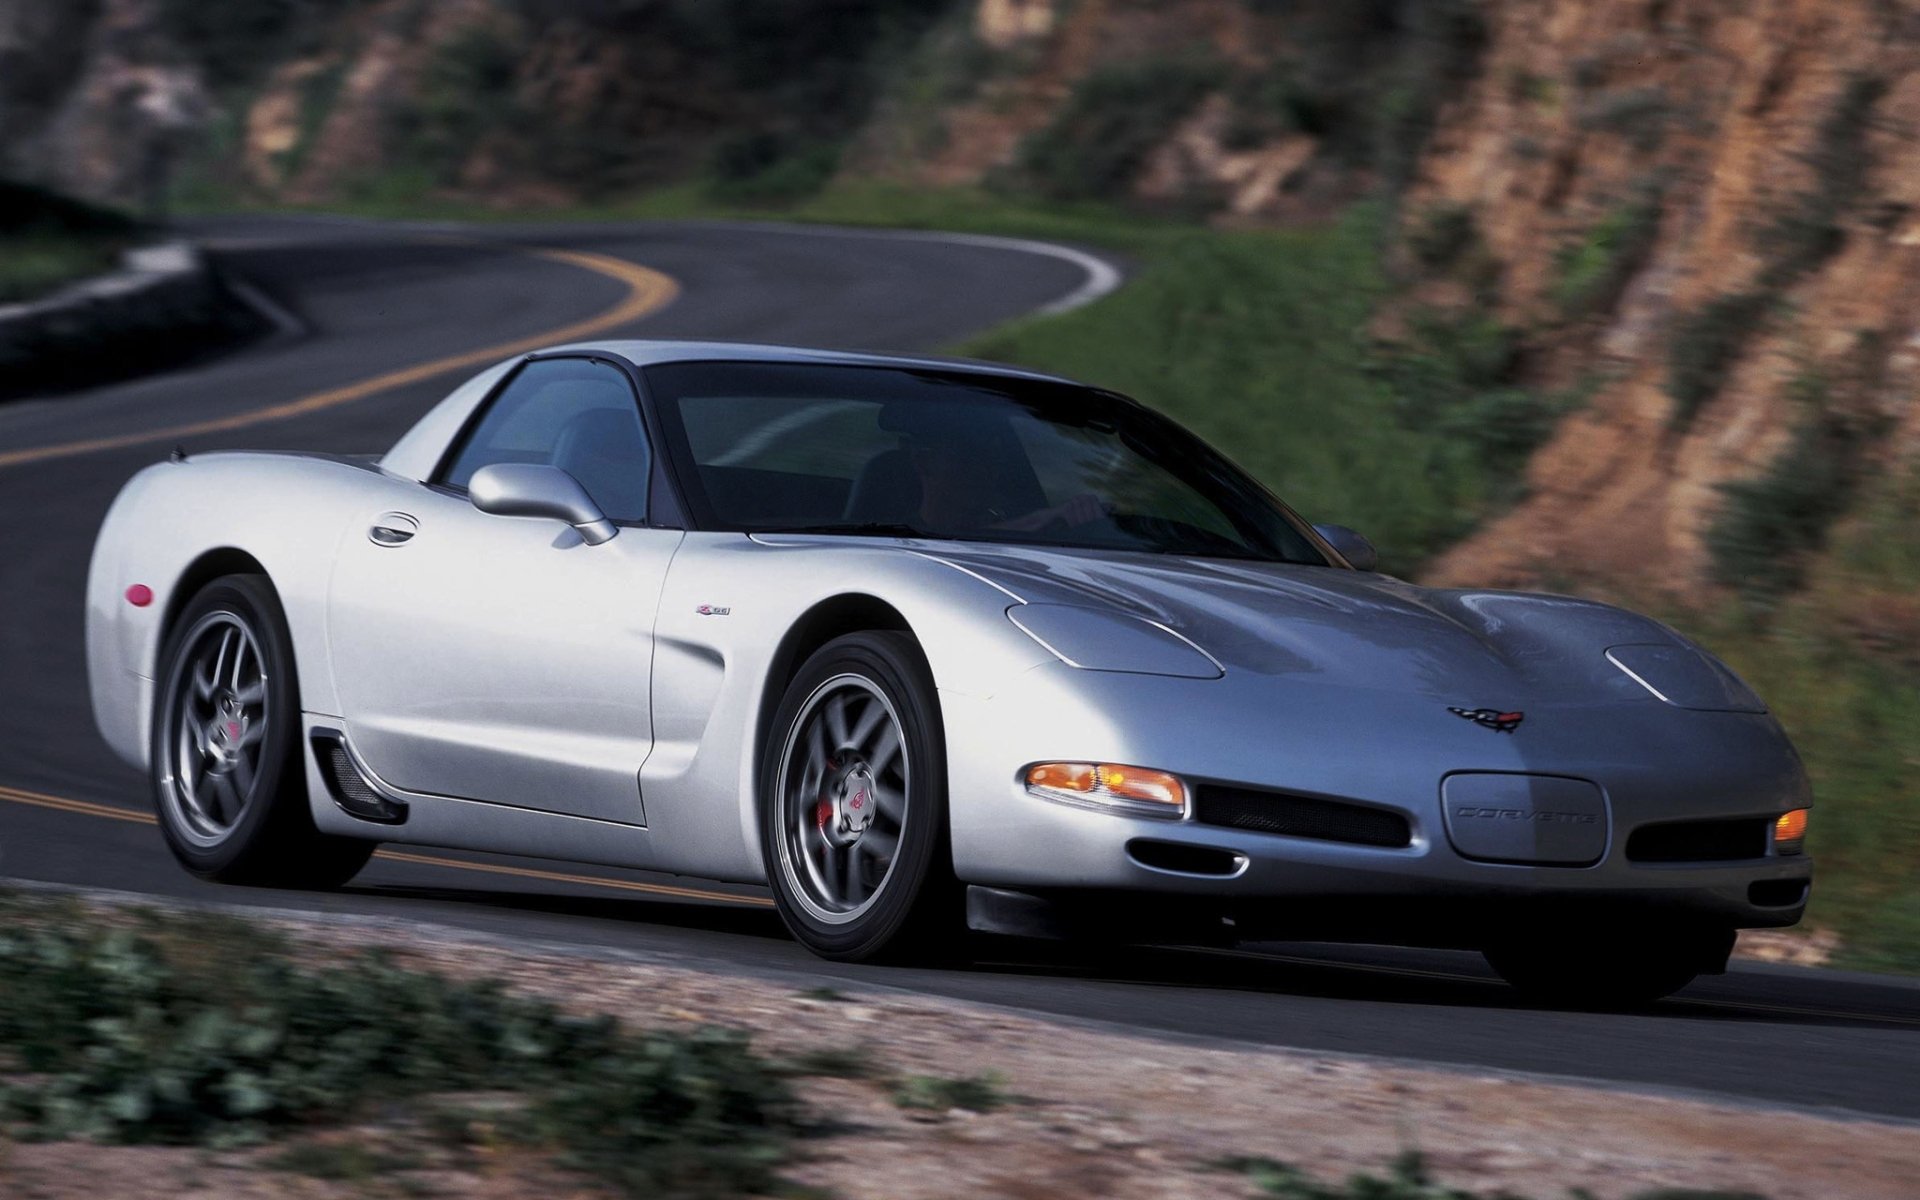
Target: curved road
<point x="374" y="302"/>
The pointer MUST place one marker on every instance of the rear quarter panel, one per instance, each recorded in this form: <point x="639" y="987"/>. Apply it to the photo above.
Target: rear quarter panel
<point x="286" y="512"/>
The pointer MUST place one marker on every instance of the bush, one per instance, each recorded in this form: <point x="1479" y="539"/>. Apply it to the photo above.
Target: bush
<point x="1590" y="273"/>
<point x="1441" y="43"/>
<point x="1445" y="234"/>
<point x="937" y="1093"/>
<point x="1638" y="114"/>
<point x="1808" y="231"/>
<point x="1098" y="140"/>
<point x="759" y="167"/>
<point x="210" y="1032"/>
<point x="1769" y="527"/>
<point x="1406" y="1179"/>
<point x="236" y="41"/>
<point x="1706" y="343"/>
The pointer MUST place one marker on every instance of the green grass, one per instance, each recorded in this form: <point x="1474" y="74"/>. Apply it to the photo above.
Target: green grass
<point x="33" y="265"/>
<point x="1840" y="666"/>
<point x="197" y="1030"/>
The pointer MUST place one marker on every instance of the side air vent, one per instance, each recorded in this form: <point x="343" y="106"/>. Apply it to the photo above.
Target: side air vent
<point x="347" y="786"/>
<point x="1700" y="841"/>
<point x="1300" y="816"/>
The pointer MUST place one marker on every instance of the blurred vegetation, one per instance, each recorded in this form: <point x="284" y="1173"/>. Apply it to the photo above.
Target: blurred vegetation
<point x="48" y="240"/>
<point x="1407" y="1179"/>
<point x="204" y="1030"/>
<point x="1801" y="233"/>
<point x="1591" y="272"/>
<point x="1097" y="141"/>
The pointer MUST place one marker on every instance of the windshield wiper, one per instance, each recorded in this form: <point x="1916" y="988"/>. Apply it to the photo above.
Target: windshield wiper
<point x="858" y="528"/>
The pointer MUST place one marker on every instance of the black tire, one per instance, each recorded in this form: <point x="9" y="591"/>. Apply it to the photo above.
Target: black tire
<point x="906" y="907"/>
<point x="228" y="771"/>
<point x="1609" y="968"/>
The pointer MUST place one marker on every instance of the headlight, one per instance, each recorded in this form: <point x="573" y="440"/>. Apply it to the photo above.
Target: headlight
<point x="1095" y="639"/>
<point x="1790" y="832"/>
<point x="1685" y="677"/>
<point x="1135" y="791"/>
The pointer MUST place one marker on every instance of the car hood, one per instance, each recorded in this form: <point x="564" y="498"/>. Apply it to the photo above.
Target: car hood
<point x="1349" y="628"/>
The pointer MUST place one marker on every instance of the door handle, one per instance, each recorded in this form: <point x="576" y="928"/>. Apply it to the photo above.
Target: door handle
<point x="392" y="529"/>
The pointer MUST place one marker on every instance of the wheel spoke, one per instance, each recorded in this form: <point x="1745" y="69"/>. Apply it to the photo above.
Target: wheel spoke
<point x="201" y="795"/>
<point x="853" y="888"/>
<point x="203" y="680"/>
<point x="891" y="803"/>
<point x="253" y="693"/>
<point x="242" y="780"/>
<point x="878" y="844"/>
<point x="869" y="724"/>
<point x="837" y="720"/>
<point x="886" y="748"/>
<point x="226" y="798"/>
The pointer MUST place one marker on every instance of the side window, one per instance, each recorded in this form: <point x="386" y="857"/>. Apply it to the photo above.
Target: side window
<point x="577" y="415"/>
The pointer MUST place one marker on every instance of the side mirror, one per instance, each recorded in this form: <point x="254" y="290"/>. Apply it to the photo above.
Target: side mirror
<point x="538" y="490"/>
<point x="1352" y="547"/>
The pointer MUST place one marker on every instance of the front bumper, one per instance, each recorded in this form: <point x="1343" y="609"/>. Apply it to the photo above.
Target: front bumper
<point x="1652" y="762"/>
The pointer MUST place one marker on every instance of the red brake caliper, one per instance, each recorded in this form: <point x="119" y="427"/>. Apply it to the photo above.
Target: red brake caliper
<point x="823" y="812"/>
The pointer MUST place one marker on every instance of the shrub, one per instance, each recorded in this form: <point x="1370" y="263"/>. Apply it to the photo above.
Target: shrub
<point x="235" y="41"/>
<point x="1705" y="345"/>
<point x="939" y="1093"/>
<point x="210" y="1032"/>
<point x="1808" y="231"/>
<point x="1406" y="1179"/>
<point x="1444" y="235"/>
<point x="1274" y="101"/>
<point x="1590" y="273"/>
<point x="762" y="167"/>
<point x="1769" y="526"/>
<point x="1440" y="49"/>
<point x="1638" y="114"/>
<point x="1096" y="143"/>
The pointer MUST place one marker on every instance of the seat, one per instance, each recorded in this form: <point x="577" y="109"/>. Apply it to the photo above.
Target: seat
<point x="605" y="450"/>
<point x="887" y="490"/>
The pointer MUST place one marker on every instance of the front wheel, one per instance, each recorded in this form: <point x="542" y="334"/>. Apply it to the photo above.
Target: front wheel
<point x="229" y="778"/>
<point x="854" y="821"/>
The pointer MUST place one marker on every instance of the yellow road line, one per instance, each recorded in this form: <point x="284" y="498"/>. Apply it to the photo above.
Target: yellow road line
<point x="83" y="807"/>
<point x="658" y="889"/>
<point x="648" y="291"/>
<point x="114" y="812"/>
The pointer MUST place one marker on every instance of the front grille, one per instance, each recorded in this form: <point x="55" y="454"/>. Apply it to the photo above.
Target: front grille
<point x="1300" y="816"/>
<point x="1700" y="841"/>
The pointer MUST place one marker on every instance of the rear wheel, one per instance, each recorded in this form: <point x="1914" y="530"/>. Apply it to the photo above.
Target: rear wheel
<point x="1609" y="969"/>
<point x="854" y="821"/>
<point x="228" y="775"/>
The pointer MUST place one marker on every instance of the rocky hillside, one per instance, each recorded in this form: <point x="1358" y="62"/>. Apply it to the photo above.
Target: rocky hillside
<point x="1691" y="223"/>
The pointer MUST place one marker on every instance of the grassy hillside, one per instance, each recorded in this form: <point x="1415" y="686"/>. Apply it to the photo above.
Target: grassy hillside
<point x="47" y="241"/>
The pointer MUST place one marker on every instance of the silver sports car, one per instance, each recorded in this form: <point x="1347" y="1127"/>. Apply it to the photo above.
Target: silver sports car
<point x="923" y="646"/>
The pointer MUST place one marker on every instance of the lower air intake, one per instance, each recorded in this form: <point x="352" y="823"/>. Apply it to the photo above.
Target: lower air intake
<point x="1700" y="841"/>
<point x="349" y="788"/>
<point x="1300" y="816"/>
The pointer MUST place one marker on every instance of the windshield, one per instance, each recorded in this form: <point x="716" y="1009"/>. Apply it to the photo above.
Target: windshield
<point x="766" y="447"/>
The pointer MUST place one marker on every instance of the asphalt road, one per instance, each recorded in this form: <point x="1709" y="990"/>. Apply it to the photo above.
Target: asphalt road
<point x="373" y="301"/>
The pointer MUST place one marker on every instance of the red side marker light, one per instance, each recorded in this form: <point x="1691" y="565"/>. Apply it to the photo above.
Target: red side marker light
<point x="139" y="595"/>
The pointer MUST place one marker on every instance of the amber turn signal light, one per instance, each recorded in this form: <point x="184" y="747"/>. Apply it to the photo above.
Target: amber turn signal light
<point x="1790" y="832"/>
<point x="1133" y="790"/>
